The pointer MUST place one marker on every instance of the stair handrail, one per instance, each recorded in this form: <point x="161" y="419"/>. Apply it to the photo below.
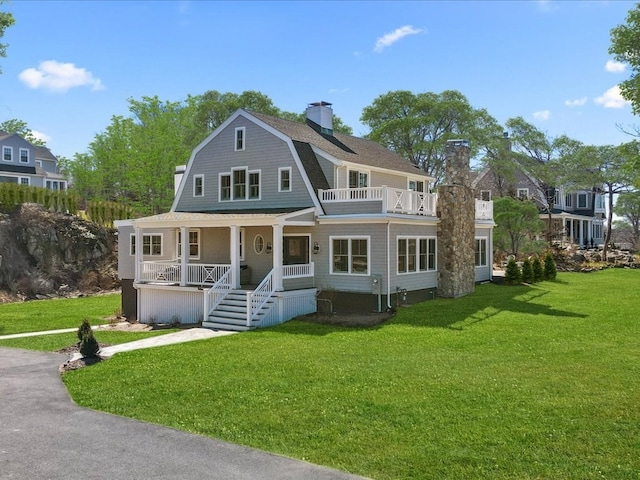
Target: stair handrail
<point x="261" y="295"/>
<point x="217" y="292"/>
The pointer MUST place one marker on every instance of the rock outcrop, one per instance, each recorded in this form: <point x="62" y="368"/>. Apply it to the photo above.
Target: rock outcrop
<point x="48" y="254"/>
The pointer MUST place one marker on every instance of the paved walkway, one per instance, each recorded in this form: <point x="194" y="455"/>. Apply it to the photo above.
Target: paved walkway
<point x="44" y="435"/>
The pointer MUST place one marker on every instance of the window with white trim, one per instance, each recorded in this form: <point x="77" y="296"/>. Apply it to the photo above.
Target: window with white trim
<point x="556" y="197"/>
<point x="358" y="179"/>
<point x="151" y="244"/>
<point x="25" y="181"/>
<point x="582" y="200"/>
<point x="225" y="187"/>
<point x="349" y="255"/>
<point x="523" y="193"/>
<point x="568" y="201"/>
<point x="416" y="185"/>
<point x="194" y="243"/>
<point x="258" y="244"/>
<point x="416" y="254"/>
<point x="240" y="139"/>
<point x="7" y="154"/>
<point x="240" y="184"/>
<point x="198" y="185"/>
<point x="485" y="195"/>
<point x="24" y="155"/>
<point x="481" y="251"/>
<point x="284" y="179"/>
<point x="600" y="204"/>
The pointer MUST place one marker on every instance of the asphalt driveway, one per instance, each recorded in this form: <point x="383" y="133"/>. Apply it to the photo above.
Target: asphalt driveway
<point x="44" y="435"/>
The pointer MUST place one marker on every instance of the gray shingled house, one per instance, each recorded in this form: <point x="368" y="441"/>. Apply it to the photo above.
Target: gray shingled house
<point x="274" y="219"/>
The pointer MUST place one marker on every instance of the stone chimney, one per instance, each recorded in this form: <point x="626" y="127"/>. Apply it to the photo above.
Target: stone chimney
<point x="321" y="114"/>
<point x="456" y="230"/>
<point x="177" y="177"/>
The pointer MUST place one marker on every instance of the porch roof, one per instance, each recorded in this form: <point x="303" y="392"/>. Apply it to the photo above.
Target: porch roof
<point x="199" y="219"/>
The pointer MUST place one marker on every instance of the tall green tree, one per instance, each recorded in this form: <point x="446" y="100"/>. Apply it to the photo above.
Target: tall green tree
<point x="517" y="224"/>
<point x="628" y="207"/>
<point x="6" y="20"/>
<point x="625" y="48"/>
<point x="20" y="127"/>
<point x="417" y="126"/>
<point x="548" y="160"/>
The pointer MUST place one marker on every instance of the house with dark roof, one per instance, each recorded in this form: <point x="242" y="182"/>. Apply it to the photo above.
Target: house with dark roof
<point x="28" y="164"/>
<point x="274" y="219"/>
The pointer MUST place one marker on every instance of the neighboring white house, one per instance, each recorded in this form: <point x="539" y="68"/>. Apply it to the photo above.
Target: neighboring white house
<point x="27" y="164"/>
<point x="272" y="218"/>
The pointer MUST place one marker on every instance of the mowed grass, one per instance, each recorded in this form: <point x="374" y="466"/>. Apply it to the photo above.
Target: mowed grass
<point x="528" y="382"/>
<point x="38" y="315"/>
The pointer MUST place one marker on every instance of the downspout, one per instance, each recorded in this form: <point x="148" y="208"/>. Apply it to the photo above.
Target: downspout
<point x="388" y="265"/>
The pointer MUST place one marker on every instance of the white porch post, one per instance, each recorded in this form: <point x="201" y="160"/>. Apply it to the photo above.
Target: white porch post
<point x="581" y="231"/>
<point x="572" y="237"/>
<point x="277" y="258"/>
<point x="234" y="251"/>
<point x="184" y="259"/>
<point x="138" y="256"/>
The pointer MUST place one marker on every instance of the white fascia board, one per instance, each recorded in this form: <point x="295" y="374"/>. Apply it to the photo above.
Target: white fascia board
<point x="378" y="218"/>
<point x="123" y="223"/>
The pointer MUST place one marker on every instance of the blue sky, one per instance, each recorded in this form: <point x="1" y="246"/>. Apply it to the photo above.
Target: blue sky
<point x="71" y="66"/>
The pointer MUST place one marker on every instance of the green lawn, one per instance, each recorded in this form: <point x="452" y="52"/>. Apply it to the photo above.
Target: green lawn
<point x="37" y="315"/>
<point x="538" y="382"/>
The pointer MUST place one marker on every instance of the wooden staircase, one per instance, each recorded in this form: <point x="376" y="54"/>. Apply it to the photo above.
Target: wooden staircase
<point x="231" y="313"/>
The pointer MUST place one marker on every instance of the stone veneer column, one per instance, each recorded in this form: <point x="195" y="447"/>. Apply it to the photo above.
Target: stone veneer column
<point x="456" y="231"/>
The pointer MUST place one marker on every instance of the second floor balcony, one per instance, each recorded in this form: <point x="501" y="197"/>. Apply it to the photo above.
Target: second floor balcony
<point x="343" y="201"/>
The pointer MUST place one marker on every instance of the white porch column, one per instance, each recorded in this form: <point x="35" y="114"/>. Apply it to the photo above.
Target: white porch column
<point x="184" y="259"/>
<point x="277" y="258"/>
<point x="572" y="237"/>
<point x="581" y="231"/>
<point x="234" y="251"/>
<point x="138" y="256"/>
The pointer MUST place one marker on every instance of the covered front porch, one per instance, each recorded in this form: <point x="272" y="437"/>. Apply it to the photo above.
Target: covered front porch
<point x="241" y="271"/>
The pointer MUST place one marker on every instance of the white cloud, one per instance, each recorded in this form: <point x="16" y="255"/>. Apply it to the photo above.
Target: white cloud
<point x="578" y="102"/>
<point x="41" y="136"/>
<point x="59" y="77"/>
<point x="612" y="98"/>
<point x="391" y="38"/>
<point x="542" y="115"/>
<point x="614" y="67"/>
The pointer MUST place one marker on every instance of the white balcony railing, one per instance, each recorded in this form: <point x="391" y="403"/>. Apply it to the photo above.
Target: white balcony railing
<point x="171" y="272"/>
<point x="484" y="210"/>
<point x="392" y="200"/>
<point x="298" y="271"/>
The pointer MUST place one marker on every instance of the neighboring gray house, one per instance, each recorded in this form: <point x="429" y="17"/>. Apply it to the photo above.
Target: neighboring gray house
<point x="282" y="218"/>
<point x="577" y="216"/>
<point x="27" y="164"/>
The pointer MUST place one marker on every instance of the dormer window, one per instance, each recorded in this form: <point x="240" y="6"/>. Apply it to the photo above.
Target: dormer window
<point x="7" y="154"/>
<point x="240" y="139"/>
<point x="582" y="200"/>
<point x="24" y="155"/>
<point x="284" y="182"/>
<point x="198" y="185"/>
<point x="240" y="184"/>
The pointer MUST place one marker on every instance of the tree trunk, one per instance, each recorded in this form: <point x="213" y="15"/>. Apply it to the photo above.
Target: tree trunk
<point x="607" y="237"/>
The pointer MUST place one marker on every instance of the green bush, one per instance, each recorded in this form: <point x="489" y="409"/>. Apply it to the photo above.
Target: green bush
<point x="527" y="271"/>
<point x="512" y="275"/>
<point x="84" y="329"/>
<point x="89" y="347"/>
<point x="538" y="271"/>
<point x="550" y="270"/>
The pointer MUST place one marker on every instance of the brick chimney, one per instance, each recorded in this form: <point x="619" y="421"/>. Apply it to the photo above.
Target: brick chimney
<point x="456" y="230"/>
<point x="321" y="114"/>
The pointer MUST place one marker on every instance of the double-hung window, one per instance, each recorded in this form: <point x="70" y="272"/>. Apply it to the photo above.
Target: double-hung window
<point x="24" y="155"/>
<point x="198" y="185"/>
<point x="151" y="244"/>
<point x="350" y="255"/>
<point x="240" y="139"/>
<point x="568" y="201"/>
<point x="194" y="244"/>
<point x="416" y="254"/>
<point x="240" y="184"/>
<point x="7" y="154"/>
<point x="284" y="179"/>
<point x="523" y="193"/>
<point x="582" y="200"/>
<point x="481" y="251"/>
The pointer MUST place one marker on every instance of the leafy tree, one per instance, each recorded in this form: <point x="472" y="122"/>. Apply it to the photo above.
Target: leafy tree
<point x="550" y="161"/>
<point x="417" y="126"/>
<point x="628" y="207"/>
<point x="625" y="48"/>
<point x="516" y="221"/>
<point x="20" y="127"/>
<point x="512" y="274"/>
<point x="6" y="21"/>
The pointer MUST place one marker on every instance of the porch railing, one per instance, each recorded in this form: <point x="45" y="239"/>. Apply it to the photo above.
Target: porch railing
<point x="298" y="271"/>
<point x="171" y="272"/>
<point x="393" y="200"/>
<point x="217" y="292"/>
<point x="260" y="296"/>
